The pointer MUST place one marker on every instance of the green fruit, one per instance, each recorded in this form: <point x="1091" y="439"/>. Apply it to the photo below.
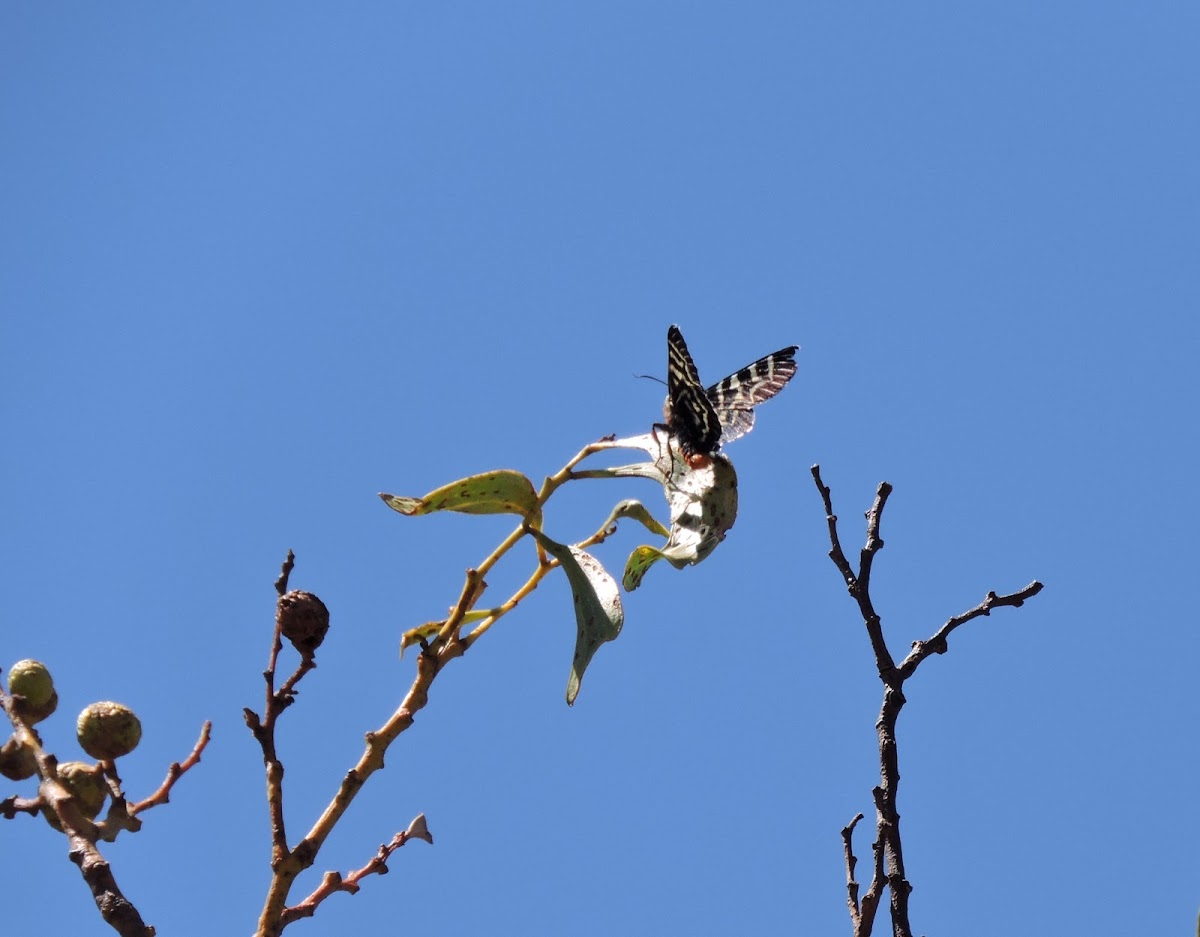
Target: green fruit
<point x="87" y="787"/>
<point x="108" y="730"/>
<point x="31" y="681"/>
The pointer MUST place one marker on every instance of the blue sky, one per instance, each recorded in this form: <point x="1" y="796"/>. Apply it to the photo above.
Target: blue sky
<point x="261" y="262"/>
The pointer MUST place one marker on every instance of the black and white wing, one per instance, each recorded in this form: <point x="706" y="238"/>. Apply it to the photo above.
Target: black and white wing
<point x="691" y="414"/>
<point x="735" y="398"/>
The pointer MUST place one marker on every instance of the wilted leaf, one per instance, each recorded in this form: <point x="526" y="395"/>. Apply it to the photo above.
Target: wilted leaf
<point x="598" y="612"/>
<point x="501" y="492"/>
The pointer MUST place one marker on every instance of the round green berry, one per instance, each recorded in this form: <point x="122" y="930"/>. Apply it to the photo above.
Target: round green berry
<point x="30" y="681"/>
<point x="108" y="730"/>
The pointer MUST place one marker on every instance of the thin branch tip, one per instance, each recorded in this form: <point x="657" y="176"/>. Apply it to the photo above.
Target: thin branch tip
<point x="289" y="563"/>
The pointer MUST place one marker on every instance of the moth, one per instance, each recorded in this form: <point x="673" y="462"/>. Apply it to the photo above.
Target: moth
<point x="701" y="419"/>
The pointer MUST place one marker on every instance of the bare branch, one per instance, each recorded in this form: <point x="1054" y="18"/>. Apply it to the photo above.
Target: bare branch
<point x="277" y="701"/>
<point x="870" y="901"/>
<point x="11" y="806"/>
<point x="286" y="694"/>
<point x="874" y="541"/>
<point x="333" y="882"/>
<point x="281" y="584"/>
<point x="286" y="862"/>
<point x="835" y="553"/>
<point x="851" y="862"/>
<point x="174" y="773"/>
<point x="888" y="849"/>
<point x="938" y="645"/>
<point x="858" y="585"/>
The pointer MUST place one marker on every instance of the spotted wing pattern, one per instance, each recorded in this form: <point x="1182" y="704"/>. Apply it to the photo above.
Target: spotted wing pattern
<point x="735" y="398"/>
<point x="691" y="416"/>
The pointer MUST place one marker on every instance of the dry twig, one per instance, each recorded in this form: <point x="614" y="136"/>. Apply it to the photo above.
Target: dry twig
<point x="888" y="851"/>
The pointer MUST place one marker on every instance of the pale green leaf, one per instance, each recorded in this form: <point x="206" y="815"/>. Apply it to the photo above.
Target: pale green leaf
<point x="598" y="612"/>
<point x="501" y="492"/>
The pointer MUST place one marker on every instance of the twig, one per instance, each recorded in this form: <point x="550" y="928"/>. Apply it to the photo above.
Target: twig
<point x="333" y="882"/>
<point x="286" y="862"/>
<point x="264" y="727"/>
<point x="887" y="848"/>
<point x="859" y="585"/>
<point x="281" y="588"/>
<point x="174" y="773"/>
<point x="11" y="806"/>
<point x="290" y="863"/>
<point x="937" y="644"/>
<point x="285" y="572"/>
<point x="870" y="901"/>
<point x="851" y="862"/>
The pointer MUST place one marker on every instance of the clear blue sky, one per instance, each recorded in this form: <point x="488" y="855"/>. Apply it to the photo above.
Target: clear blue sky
<point x="260" y="262"/>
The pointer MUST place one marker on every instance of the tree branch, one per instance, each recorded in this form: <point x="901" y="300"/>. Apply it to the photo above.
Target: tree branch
<point x="888" y="848"/>
<point x="333" y="882"/>
<point x="938" y="645"/>
<point x="174" y="773"/>
<point x="53" y="796"/>
<point x="851" y="862"/>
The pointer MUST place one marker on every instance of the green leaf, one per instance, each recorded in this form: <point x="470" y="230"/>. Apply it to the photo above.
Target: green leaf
<point x="640" y="560"/>
<point x="500" y="492"/>
<point x="430" y="628"/>
<point x="598" y="612"/>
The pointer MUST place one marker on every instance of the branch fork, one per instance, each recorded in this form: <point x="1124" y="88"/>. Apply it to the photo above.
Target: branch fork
<point x="887" y="851"/>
